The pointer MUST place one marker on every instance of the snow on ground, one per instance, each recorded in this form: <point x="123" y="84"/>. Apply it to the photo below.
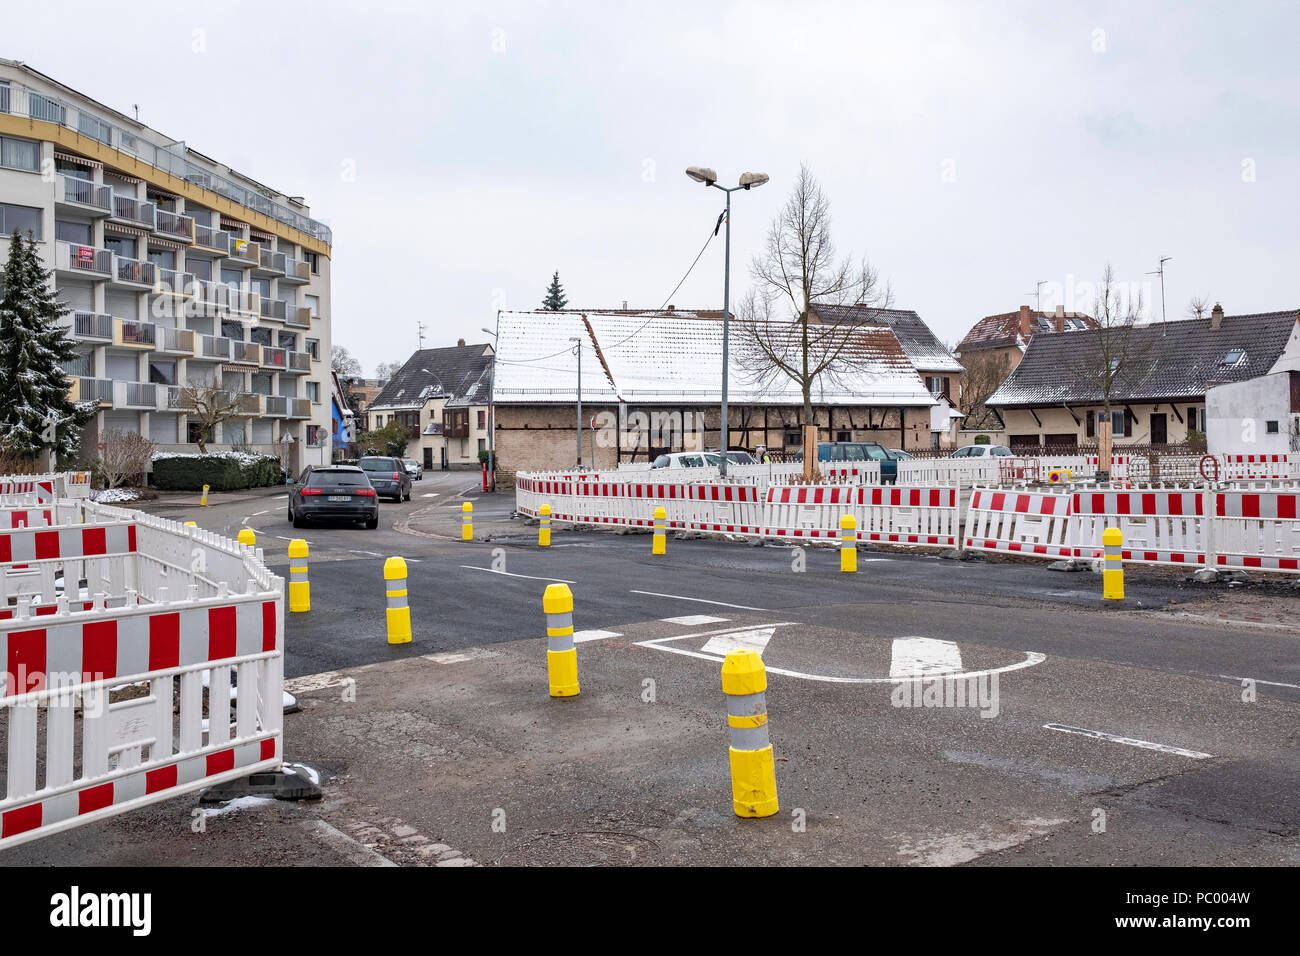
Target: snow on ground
<point x="111" y="495"/>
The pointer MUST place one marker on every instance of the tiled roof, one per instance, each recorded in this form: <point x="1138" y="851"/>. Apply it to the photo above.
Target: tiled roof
<point x="461" y="373"/>
<point x="1168" y="360"/>
<point x="669" y="358"/>
<point x="924" y="350"/>
<point x="1000" y="331"/>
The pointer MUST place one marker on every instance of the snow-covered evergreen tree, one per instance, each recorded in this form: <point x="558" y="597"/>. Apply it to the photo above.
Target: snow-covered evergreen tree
<point x="555" y="299"/>
<point x="36" y="414"/>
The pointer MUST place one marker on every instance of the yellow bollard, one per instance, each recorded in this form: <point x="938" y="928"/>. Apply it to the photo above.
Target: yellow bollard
<point x="467" y="522"/>
<point x="848" y="543"/>
<point x="246" y="536"/>
<point x="753" y="766"/>
<point x="299" y="586"/>
<point x="399" y="610"/>
<point x="1112" y="578"/>
<point x="544" y="532"/>
<point x="561" y="655"/>
<point x="204" y="500"/>
<point x="660" y="545"/>
<point x="191" y="524"/>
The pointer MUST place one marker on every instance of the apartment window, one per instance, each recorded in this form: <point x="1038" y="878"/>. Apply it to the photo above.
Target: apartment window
<point x="4" y="96"/>
<point x="313" y="302"/>
<point x="1270" y="428"/>
<point x="233" y="277"/>
<point x="163" y="258"/>
<point x="233" y="330"/>
<point x="20" y="154"/>
<point x="201" y="217"/>
<point x="1090" y="428"/>
<point x="22" y="218"/>
<point x="287" y="340"/>
<point x="202" y="268"/>
<point x="1119" y="424"/>
<point x="844" y="436"/>
<point x="313" y="392"/>
<point x="313" y="349"/>
<point x="315" y="435"/>
<point x="261" y="286"/>
<point x="482" y="445"/>
<point x="162" y="371"/>
<point x="120" y="245"/>
<point x="310" y="257"/>
<point x="261" y="335"/>
<point x="78" y="232"/>
<point x="75" y="170"/>
<point x="482" y="419"/>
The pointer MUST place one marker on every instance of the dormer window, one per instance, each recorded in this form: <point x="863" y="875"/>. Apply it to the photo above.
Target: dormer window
<point x="1234" y="358"/>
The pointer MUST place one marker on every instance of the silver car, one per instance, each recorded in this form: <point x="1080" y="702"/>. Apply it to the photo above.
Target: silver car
<point x="413" y="468"/>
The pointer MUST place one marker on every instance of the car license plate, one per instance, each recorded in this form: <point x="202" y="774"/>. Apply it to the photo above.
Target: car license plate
<point x="340" y="497"/>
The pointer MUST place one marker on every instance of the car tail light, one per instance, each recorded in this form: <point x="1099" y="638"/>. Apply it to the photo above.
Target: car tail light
<point x="365" y="492"/>
<point x="312" y="491"/>
<point x="396" y="477"/>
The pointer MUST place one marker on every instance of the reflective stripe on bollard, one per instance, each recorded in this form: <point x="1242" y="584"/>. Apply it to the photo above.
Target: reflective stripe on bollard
<point x="848" y="543"/>
<point x="753" y="766"/>
<point x="544" y="532"/>
<point x="467" y="522"/>
<point x="660" y="545"/>
<point x="1112" y="578"/>
<point x="561" y="654"/>
<point x="399" y="611"/>
<point x="299" y="587"/>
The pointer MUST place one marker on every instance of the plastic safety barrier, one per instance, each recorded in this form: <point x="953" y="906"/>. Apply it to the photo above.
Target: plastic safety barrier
<point x="1160" y="526"/>
<point x="1271" y="467"/>
<point x="1257" y="529"/>
<point x="1019" y="522"/>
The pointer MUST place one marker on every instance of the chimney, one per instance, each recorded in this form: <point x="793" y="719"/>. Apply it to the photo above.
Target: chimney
<point x="1058" y="318"/>
<point x="1024" y="321"/>
<point x="1216" y="316"/>
<point x="460" y="343"/>
<point x="672" y="308"/>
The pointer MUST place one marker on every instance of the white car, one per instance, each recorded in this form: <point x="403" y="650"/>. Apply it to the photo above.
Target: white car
<point x="687" y="459"/>
<point x="982" y="451"/>
<point x="413" y="468"/>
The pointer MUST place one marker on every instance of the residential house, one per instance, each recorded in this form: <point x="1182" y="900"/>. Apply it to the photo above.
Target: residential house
<point x="442" y="396"/>
<point x="1162" y="372"/>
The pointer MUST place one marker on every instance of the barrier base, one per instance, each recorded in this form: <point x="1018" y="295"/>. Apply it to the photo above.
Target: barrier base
<point x="288" y="783"/>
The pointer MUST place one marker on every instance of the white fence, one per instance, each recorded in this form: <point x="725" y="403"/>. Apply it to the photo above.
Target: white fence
<point x="112" y="624"/>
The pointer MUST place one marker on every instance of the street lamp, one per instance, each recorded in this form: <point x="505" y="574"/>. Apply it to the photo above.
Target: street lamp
<point x="492" y="404"/>
<point x="708" y="177"/>
<point x="578" y="349"/>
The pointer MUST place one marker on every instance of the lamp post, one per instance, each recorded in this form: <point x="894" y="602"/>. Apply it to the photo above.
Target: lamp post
<point x="492" y="404"/>
<point x="747" y="181"/>
<point x="578" y="349"/>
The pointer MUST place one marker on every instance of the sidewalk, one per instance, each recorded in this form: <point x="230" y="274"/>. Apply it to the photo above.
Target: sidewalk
<point x="190" y="499"/>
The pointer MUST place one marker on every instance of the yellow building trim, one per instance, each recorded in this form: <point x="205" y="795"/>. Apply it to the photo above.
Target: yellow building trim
<point x="68" y="139"/>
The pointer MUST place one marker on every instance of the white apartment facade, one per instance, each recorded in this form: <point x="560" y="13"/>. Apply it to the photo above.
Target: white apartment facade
<point x="178" y="271"/>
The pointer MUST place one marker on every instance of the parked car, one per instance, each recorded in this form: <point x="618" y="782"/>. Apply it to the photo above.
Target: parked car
<point x="846" y="452"/>
<point x="687" y="459"/>
<point x="902" y="455"/>
<point x="413" y="468"/>
<point x="741" y="458"/>
<point x="387" y="476"/>
<point x="982" y="451"/>
<point x="333" y="493"/>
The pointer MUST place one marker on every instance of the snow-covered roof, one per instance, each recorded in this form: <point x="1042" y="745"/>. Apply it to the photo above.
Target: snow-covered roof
<point x="922" y="346"/>
<point x="675" y="358"/>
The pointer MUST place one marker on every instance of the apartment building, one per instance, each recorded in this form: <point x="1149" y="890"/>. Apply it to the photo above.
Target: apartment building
<point x="180" y="273"/>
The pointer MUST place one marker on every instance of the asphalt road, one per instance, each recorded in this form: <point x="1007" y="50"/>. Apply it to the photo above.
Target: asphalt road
<point x="1111" y="736"/>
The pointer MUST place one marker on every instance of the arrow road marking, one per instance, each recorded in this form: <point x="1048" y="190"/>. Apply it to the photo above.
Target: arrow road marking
<point x="748" y="638"/>
<point x="923" y="657"/>
<point x="694" y="620"/>
<point x="1131" y="741"/>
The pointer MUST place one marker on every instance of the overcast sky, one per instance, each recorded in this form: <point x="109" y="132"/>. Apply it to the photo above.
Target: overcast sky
<point x="462" y="152"/>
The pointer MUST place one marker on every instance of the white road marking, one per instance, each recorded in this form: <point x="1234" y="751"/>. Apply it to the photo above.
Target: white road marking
<point x="342" y="844"/>
<point x="457" y="657"/>
<point x="432" y="494"/>
<point x="369" y="554"/>
<point x="748" y="638"/>
<point x="924" y="657"/>
<point x="256" y="513"/>
<point x="470" y="567"/>
<point x="692" y="620"/>
<point x="1131" y="741"/>
<point x="279" y="497"/>
<point x="581" y="636"/>
<point x="1256" y="680"/>
<point x="680" y="597"/>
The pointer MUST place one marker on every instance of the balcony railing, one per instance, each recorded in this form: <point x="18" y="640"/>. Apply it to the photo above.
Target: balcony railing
<point x="249" y="352"/>
<point x="135" y="271"/>
<point x="93" y="390"/>
<point x="273" y="357"/>
<point x="85" y="193"/>
<point x="135" y="334"/>
<point x="300" y="408"/>
<point x="275" y="406"/>
<point x="249" y="404"/>
<point x="299" y="362"/>
<point x="72" y="257"/>
<point x="213" y="295"/>
<point x="273" y="309"/>
<point x="298" y="316"/>
<point x="210" y="238"/>
<point x="242" y="250"/>
<point x="171" y="282"/>
<point x="296" y="271"/>
<point x="174" y="224"/>
<point x="173" y="398"/>
<point x="133" y="210"/>
<point x="137" y="394"/>
<point x="271" y="261"/>
<point x="214" y="347"/>
<point x="92" y="325"/>
<point x="175" y="340"/>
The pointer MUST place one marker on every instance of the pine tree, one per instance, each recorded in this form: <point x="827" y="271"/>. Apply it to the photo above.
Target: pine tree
<point x="555" y="299"/>
<point x="36" y="414"/>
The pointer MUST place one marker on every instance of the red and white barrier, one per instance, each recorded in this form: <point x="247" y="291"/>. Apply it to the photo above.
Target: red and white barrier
<point x="925" y="517"/>
<point x="808" y="511"/>
<point x="1160" y="526"/>
<point x="1258" y="530"/>
<point x="1019" y="522"/>
<point x="1250" y="467"/>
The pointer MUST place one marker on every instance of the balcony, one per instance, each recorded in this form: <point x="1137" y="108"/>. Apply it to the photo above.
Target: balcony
<point x="297" y="316"/>
<point x="270" y="263"/>
<point x="214" y="347"/>
<point x="134" y="273"/>
<point x="249" y="404"/>
<point x="83" y="261"/>
<point x="173" y="283"/>
<point x="135" y="395"/>
<point x="135" y="212"/>
<point x="296" y="272"/>
<point x="275" y="406"/>
<point x="274" y="358"/>
<point x="134" y="335"/>
<point x="245" y="303"/>
<point x="273" y="309"/>
<point x="174" y="226"/>
<point x="210" y="297"/>
<point x="245" y="253"/>
<point x="299" y="363"/>
<point x="248" y="353"/>
<point x="98" y="390"/>
<point x="173" y="398"/>
<point x="300" y="408"/>
<point x="210" y="240"/>
<point x="83" y="197"/>
<point x="92" y="326"/>
<point x="174" y="341"/>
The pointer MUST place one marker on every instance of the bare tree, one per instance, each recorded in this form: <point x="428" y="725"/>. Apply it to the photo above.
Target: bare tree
<point x="211" y="404"/>
<point x="386" y="370"/>
<point x="983" y="373"/>
<point x="124" y="455"/>
<point x="343" y="363"/>
<point x="780" y="334"/>
<point x="1198" y="307"/>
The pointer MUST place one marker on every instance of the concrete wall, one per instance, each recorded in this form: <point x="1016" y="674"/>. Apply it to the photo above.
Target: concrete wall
<point x="1239" y="416"/>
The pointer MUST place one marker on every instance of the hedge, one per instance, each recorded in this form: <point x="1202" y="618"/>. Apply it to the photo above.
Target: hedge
<point x="220" y="472"/>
